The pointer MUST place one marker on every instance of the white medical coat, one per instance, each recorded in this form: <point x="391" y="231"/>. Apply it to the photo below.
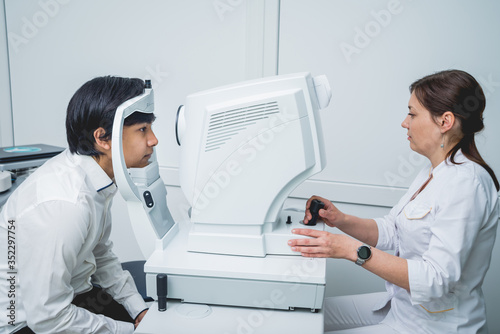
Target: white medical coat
<point x="62" y="222"/>
<point x="447" y="235"/>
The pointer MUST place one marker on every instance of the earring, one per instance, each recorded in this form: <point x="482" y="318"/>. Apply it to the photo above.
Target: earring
<point x="442" y="144"/>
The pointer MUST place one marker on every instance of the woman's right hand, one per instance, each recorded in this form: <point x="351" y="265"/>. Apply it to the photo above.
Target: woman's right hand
<point x="330" y="215"/>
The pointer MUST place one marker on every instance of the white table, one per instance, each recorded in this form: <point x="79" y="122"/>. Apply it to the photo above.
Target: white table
<point x="186" y="318"/>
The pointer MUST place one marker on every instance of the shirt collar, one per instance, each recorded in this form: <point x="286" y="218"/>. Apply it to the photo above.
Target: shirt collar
<point x="459" y="157"/>
<point x="97" y="176"/>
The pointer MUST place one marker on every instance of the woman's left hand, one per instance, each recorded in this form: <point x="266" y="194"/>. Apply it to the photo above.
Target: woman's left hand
<point x="324" y="244"/>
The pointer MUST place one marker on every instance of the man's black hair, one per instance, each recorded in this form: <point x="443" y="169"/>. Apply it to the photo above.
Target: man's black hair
<point x="94" y="106"/>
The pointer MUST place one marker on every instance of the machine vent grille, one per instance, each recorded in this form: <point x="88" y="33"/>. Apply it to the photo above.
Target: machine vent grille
<point x="226" y="124"/>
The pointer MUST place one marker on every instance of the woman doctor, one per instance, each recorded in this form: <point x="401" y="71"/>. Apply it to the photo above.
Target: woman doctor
<point x="442" y="230"/>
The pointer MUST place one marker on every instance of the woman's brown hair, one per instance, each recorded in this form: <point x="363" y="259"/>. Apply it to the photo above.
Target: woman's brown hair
<point x="456" y="91"/>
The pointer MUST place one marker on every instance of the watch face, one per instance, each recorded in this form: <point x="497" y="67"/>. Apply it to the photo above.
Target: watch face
<point x="364" y="252"/>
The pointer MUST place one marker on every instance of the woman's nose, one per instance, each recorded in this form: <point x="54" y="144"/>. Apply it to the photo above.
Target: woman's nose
<point x="405" y="122"/>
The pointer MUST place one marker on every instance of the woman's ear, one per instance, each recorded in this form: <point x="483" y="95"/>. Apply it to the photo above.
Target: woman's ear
<point x="447" y="120"/>
<point x="102" y="145"/>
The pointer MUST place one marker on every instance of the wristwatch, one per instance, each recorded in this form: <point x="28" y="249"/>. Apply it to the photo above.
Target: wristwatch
<point x="364" y="254"/>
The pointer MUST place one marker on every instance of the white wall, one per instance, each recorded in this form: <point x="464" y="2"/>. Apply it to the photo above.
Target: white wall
<point x="186" y="46"/>
<point x="181" y="46"/>
<point x="6" y="135"/>
<point x="366" y="145"/>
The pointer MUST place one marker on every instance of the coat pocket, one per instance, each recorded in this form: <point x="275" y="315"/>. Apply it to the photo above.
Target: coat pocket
<point x="414" y="228"/>
<point x="445" y="305"/>
<point x="417" y="211"/>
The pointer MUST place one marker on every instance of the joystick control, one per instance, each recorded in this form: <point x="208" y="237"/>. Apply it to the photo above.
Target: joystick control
<point x="314" y="208"/>
<point x="161" y="288"/>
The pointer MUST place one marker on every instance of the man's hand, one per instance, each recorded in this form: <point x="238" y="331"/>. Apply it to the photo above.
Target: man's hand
<point x="139" y="318"/>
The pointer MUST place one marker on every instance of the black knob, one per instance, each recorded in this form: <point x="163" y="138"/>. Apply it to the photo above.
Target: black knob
<point x="161" y="291"/>
<point x="314" y="208"/>
<point x="289" y="220"/>
<point x="147" y="84"/>
<point x="148" y="198"/>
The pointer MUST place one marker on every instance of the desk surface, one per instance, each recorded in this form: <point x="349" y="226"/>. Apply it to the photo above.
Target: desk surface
<point x="185" y="318"/>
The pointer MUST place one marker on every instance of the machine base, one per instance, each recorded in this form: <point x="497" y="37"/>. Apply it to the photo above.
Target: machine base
<point x="185" y="318"/>
<point x="272" y="282"/>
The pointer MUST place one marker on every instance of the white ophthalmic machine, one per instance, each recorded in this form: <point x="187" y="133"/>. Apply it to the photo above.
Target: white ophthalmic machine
<point x="244" y="148"/>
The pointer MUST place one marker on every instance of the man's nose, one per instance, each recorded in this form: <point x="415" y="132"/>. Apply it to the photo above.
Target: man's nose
<point x="152" y="140"/>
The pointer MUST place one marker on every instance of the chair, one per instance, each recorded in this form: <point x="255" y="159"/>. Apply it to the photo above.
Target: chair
<point x="136" y="269"/>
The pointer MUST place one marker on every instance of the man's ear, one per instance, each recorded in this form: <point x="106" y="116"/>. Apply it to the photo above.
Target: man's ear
<point x="102" y="145"/>
<point x="447" y="120"/>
